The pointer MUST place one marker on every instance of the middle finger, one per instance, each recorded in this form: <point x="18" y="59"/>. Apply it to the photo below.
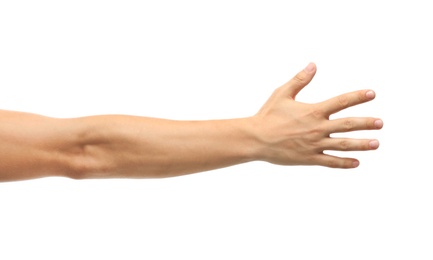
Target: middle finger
<point x="353" y="124"/>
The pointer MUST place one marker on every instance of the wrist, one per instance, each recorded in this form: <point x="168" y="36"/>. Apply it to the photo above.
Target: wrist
<point x="252" y="147"/>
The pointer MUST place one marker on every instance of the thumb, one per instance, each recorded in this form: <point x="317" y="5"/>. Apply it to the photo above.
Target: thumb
<point x="300" y="80"/>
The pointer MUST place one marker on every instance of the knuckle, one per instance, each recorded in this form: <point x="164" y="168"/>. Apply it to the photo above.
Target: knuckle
<point x="344" y="145"/>
<point x="348" y="124"/>
<point x="317" y="113"/>
<point x="343" y="100"/>
<point x="298" y="78"/>
<point x="316" y="133"/>
<point x="332" y="163"/>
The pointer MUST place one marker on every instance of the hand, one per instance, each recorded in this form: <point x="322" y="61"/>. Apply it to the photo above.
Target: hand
<point x="295" y="133"/>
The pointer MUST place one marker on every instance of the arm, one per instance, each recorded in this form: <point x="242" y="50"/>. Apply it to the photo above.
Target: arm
<point x="284" y="132"/>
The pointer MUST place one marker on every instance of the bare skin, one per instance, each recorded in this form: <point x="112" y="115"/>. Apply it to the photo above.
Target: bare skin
<point x="284" y="132"/>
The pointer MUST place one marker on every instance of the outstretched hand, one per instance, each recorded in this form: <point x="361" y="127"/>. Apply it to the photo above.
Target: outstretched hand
<point x="284" y="131"/>
<point x="295" y="133"/>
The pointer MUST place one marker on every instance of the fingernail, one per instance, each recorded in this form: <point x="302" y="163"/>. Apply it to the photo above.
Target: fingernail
<point x="355" y="164"/>
<point x="310" y="67"/>
<point x="370" y="94"/>
<point x="374" y="144"/>
<point x="378" y="123"/>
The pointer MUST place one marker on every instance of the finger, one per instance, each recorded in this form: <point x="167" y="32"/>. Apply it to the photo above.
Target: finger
<point x="341" y="102"/>
<point x="353" y="124"/>
<point x="300" y="80"/>
<point x="349" y="144"/>
<point x="336" y="162"/>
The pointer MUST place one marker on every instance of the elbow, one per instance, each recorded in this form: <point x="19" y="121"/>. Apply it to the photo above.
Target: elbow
<point x="85" y="154"/>
<point x="79" y="168"/>
<point x="86" y="160"/>
<point x="87" y="164"/>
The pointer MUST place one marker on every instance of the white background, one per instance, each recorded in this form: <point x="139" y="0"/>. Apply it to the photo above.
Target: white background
<point x="222" y="59"/>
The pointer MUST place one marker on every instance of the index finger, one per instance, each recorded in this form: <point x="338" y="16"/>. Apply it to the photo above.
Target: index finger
<point x="338" y="103"/>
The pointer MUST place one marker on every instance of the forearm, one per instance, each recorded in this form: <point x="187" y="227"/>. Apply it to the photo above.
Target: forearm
<point x="139" y="147"/>
<point x="119" y="146"/>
